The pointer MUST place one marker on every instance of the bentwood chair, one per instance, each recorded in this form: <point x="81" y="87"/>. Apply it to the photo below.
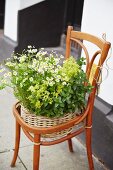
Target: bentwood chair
<point x="35" y="133"/>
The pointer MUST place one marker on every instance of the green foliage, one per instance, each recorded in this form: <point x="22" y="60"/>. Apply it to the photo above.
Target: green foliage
<point x="45" y="87"/>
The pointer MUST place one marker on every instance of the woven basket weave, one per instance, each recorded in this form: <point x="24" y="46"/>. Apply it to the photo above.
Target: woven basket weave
<point x="41" y="121"/>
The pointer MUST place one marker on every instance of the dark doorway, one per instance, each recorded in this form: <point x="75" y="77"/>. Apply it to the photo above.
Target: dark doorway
<point x="2" y="13"/>
<point x="73" y="13"/>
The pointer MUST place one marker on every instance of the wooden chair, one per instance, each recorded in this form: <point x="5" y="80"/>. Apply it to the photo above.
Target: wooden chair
<point x="86" y="117"/>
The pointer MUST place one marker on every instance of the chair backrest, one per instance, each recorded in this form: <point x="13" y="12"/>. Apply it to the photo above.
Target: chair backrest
<point x="99" y="55"/>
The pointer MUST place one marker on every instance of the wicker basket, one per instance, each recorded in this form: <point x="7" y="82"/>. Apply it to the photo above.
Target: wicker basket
<point x="41" y="121"/>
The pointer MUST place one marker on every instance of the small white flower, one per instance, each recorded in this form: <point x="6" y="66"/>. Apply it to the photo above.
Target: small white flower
<point x="40" y="57"/>
<point x="14" y="73"/>
<point x="59" y="77"/>
<point x="31" y="88"/>
<point x="21" y="84"/>
<point x="31" y="79"/>
<point x="47" y="78"/>
<point x="29" y="51"/>
<point x="24" y="80"/>
<point x="61" y="56"/>
<point x="57" y="80"/>
<point x="57" y="60"/>
<point x="28" y="67"/>
<point x="25" y="74"/>
<point x="9" y="74"/>
<point x="51" y="83"/>
<point x="40" y="70"/>
<point x="64" y="83"/>
<point x="8" y="59"/>
<point x="51" y="79"/>
<point x="44" y="52"/>
<point x="34" y="61"/>
<point x="5" y="75"/>
<point x="29" y="46"/>
<point x="4" y="81"/>
<point x="56" y="70"/>
<point x="10" y="64"/>
<point x="15" y="57"/>
<point x="58" y="66"/>
<point x="22" y="59"/>
<point x="47" y="58"/>
<point x="34" y="50"/>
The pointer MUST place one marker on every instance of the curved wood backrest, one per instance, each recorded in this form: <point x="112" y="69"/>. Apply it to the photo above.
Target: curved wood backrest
<point x="78" y="37"/>
<point x="103" y="48"/>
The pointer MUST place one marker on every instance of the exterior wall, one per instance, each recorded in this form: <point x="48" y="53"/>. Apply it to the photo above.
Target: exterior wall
<point x="25" y="4"/>
<point x="97" y="19"/>
<point x="11" y="16"/>
<point x="10" y="25"/>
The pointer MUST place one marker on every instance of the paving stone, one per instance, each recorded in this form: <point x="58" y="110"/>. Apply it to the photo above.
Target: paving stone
<point x="5" y="161"/>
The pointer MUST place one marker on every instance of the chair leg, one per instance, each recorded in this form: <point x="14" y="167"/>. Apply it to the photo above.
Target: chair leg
<point x="17" y="143"/>
<point x="36" y="152"/>
<point x="89" y="148"/>
<point x="70" y="145"/>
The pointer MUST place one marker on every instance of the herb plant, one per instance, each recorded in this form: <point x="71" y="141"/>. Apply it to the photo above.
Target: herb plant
<point x="43" y="86"/>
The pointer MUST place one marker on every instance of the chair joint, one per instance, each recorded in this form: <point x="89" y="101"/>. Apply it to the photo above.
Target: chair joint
<point x="36" y="143"/>
<point x="88" y="127"/>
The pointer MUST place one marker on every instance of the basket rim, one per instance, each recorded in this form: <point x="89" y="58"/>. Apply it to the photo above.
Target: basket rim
<point x="27" y="112"/>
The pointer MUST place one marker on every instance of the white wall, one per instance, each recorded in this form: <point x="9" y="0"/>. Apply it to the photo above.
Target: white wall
<point x="11" y="13"/>
<point x="27" y="3"/>
<point x="98" y="19"/>
<point x="10" y="25"/>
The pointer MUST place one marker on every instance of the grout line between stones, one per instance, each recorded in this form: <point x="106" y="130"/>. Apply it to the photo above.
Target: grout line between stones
<point x="22" y="162"/>
<point x="8" y="150"/>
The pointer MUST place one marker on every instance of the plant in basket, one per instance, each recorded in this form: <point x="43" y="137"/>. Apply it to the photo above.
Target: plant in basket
<point x="44" y="85"/>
